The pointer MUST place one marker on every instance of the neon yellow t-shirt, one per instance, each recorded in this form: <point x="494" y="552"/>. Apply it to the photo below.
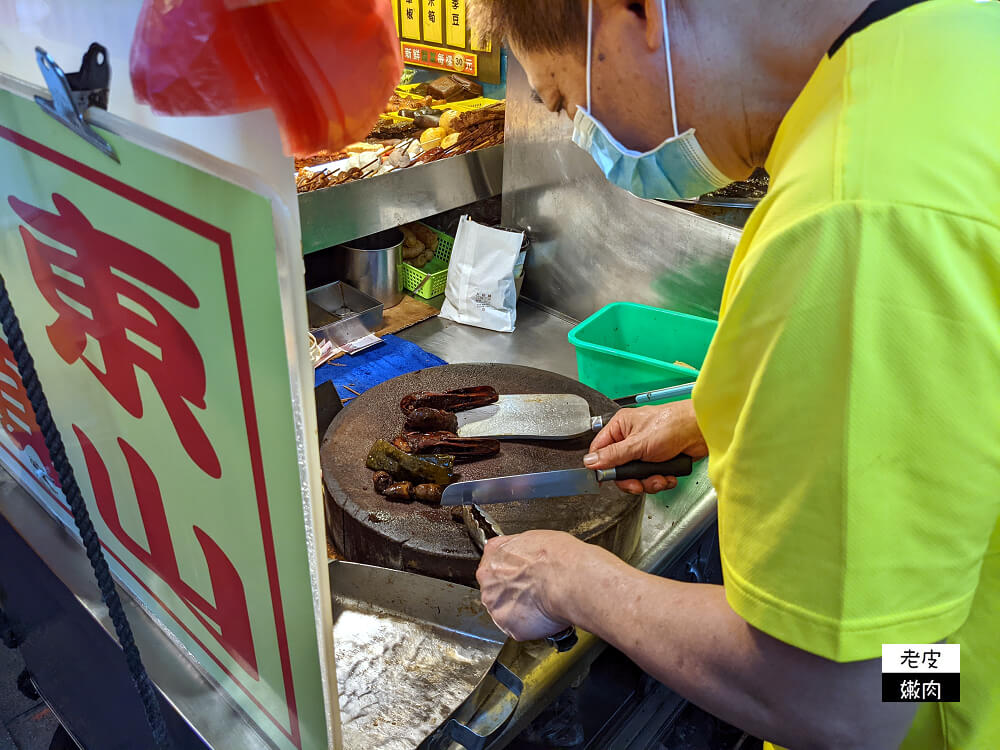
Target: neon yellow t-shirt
<point x="851" y="396"/>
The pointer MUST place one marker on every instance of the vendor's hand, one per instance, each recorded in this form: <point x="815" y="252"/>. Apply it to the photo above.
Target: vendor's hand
<point x="647" y="433"/>
<point x="519" y="578"/>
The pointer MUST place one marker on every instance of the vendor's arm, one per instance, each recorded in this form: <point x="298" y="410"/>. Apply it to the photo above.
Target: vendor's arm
<point x="688" y="637"/>
<point x="856" y="496"/>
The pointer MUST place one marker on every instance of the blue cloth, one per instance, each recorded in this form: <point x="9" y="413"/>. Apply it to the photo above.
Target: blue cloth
<point x="394" y="356"/>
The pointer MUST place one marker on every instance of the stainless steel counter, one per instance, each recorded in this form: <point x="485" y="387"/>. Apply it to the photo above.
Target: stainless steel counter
<point x="672" y="523"/>
<point x="538" y="341"/>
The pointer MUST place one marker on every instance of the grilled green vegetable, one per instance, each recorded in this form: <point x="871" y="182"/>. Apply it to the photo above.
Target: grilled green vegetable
<point x="406" y="468"/>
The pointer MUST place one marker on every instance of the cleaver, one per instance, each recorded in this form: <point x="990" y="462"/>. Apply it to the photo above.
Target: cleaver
<point x="531" y="416"/>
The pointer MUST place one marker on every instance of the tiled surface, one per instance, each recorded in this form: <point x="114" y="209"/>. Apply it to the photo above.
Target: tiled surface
<point x="24" y="724"/>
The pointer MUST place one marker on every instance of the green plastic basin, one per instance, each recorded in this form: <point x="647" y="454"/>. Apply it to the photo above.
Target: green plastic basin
<point x="626" y="348"/>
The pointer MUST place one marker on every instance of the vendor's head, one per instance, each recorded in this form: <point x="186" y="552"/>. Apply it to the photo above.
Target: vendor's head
<point x="729" y="78"/>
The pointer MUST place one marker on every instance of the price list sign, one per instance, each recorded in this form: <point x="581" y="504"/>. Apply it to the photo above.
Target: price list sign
<point x="436" y="34"/>
<point x="918" y="673"/>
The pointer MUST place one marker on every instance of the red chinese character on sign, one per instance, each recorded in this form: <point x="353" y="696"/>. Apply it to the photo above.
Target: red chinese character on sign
<point x="98" y="288"/>
<point x="17" y="419"/>
<point x="16" y="415"/>
<point x="228" y="619"/>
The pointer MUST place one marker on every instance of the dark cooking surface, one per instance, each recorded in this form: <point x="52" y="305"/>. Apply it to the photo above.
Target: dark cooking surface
<point x="368" y="528"/>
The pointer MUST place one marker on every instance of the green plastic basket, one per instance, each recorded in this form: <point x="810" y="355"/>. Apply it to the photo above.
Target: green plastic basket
<point x="430" y="280"/>
<point x="625" y="348"/>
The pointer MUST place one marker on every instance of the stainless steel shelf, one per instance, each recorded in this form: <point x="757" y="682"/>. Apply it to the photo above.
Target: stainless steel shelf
<point x="355" y="209"/>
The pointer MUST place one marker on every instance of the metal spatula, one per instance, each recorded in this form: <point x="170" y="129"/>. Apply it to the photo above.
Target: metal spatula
<point x="531" y="416"/>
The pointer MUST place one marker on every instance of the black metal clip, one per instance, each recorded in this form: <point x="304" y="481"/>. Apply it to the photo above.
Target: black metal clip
<point x="75" y="93"/>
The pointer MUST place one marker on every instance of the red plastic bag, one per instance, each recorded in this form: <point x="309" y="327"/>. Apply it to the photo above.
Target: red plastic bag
<point x="186" y="59"/>
<point x="326" y="68"/>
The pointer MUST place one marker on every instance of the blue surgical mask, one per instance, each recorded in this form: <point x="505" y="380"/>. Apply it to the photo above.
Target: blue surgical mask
<point x="677" y="169"/>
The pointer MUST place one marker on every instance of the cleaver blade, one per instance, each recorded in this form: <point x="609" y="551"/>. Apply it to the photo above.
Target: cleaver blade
<point x="531" y="416"/>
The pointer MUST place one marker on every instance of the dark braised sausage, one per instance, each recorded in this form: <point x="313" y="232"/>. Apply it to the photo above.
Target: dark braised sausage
<point x="458" y="399"/>
<point x="463" y="449"/>
<point x="382" y="480"/>
<point x="426" y="419"/>
<point x="400" y="492"/>
<point x="429" y="494"/>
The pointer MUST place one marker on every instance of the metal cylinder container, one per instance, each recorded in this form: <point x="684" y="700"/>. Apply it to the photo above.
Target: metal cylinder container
<point x="372" y="265"/>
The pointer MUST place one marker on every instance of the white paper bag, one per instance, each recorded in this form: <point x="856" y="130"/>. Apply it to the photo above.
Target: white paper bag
<point x="480" y="289"/>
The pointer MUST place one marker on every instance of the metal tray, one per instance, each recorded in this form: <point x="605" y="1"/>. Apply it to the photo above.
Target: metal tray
<point x="409" y="651"/>
<point x="342" y="314"/>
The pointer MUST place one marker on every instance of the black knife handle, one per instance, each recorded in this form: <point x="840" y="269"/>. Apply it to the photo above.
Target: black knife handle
<point x="678" y="466"/>
<point x="564" y="640"/>
<point x="599" y="423"/>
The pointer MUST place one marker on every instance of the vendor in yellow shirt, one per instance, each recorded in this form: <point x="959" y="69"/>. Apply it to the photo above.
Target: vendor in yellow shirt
<point x="850" y="402"/>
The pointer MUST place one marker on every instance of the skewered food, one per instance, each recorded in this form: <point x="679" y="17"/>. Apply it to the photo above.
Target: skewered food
<point x="430" y="135"/>
<point x="321" y="157"/>
<point x="405" y="467"/>
<point x="388" y="128"/>
<point x="426" y="419"/>
<point x="401" y="101"/>
<point x="463" y="449"/>
<point x="494" y="112"/>
<point x="307" y="180"/>
<point x="458" y="399"/>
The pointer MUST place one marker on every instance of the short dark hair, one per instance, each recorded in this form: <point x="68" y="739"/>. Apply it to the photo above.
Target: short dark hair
<point x="533" y="25"/>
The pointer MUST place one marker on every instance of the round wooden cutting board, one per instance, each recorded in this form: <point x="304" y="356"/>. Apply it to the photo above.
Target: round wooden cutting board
<point x="369" y="529"/>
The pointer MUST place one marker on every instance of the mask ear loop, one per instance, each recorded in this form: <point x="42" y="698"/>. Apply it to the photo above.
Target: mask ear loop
<point x="590" y="44"/>
<point x="670" y="65"/>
